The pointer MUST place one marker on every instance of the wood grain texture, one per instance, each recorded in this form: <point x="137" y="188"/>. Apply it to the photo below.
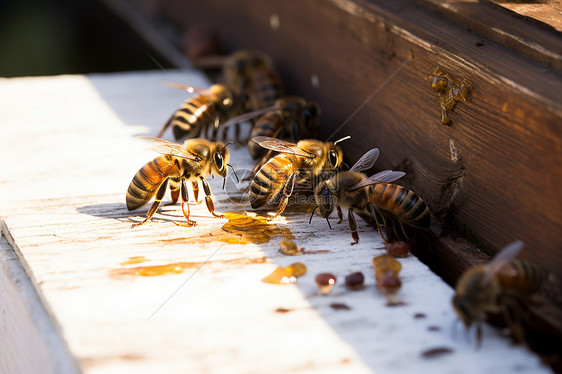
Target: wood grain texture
<point x="547" y="12"/>
<point x="491" y="176"/>
<point x="63" y="211"/>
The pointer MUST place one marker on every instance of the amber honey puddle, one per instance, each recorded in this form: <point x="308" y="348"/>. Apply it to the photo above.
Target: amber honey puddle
<point x="179" y="267"/>
<point x="245" y="229"/>
<point x="240" y="229"/>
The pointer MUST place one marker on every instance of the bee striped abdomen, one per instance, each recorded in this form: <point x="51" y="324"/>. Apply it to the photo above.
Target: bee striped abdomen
<point x="267" y="125"/>
<point x="268" y="182"/>
<point x="403" y="203"/>
<point x="522" y="276"/>
<point x="266" y="88"/>
<point x="191" y="117"/>
<point x="147" y="180"/>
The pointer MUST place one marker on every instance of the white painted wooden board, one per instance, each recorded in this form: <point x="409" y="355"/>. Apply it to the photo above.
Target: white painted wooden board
<point x="68" y="150"/>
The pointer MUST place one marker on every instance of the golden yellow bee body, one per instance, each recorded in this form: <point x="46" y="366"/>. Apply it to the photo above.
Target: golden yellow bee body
<point x="191" y="162"/>
<point x="296" y="164"/>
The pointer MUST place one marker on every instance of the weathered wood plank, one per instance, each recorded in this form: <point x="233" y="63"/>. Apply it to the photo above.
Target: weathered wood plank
<point x="211" y="311"/>
<point x="29" y="342"/>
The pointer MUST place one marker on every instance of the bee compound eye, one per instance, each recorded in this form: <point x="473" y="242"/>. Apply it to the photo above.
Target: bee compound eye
<point x="334" y="158"/>
<point x="219" y="161"/>
<point x="325" y="193"/>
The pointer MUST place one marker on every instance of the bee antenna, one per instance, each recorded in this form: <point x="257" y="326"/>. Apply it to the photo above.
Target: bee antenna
<point x="227" y="144"/>
<point x="313" y="210"/>
<point x="327" y="220"/>
<point x="342" y="139"/>
<point x="344" y="164"/>
<point x="223" y="183"/>
<point x="234" y="171"/>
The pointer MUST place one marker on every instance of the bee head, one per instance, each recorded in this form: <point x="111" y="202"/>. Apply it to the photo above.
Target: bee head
<point x="221" y="156"/>
<point x="325" y="197"/>
<point x="309" y="118"/>
<point x="223" y="96"/>
<point x="464" y="310"/>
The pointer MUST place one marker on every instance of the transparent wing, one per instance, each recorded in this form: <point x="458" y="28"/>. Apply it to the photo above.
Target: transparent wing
<point x="501" y="259"/>
<point x="385" y="176"/>
<point x="280" y="146"/>
<point x="166" y="147"/>
<point x="248" y="116"/>
<point x="366" y="161"/>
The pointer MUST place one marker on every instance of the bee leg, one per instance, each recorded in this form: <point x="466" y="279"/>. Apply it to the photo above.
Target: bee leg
<point x="184" y="205"/>
<point x="478" y="335"/>
<point x="340" y="214"/>
<point x="195" y="186"/>
<point x="352" y="226"/>
<point x="208" y="200"/>
<point x="159" y="195"/>
<point x="166" y="125"/>
<point x="174" y="194"/>
<point x="406" y="237"/>
<point x="381" y="223"/>
<point x="237" y="133"/>
<point x="512" y="312"/>
<point x="215" y="129"/>
<point x="287" y="192"/>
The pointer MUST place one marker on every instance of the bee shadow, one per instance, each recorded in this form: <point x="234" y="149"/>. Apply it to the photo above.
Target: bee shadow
<point x="167" y="212"/>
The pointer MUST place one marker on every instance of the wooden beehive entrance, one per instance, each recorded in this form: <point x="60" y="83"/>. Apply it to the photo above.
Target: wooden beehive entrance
<point x="370" y="68"/>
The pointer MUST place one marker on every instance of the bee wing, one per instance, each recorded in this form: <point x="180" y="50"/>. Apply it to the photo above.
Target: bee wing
<point x="185" y="87"/>
<point x="280" y="146"/>
<point x="248" y="116"/>
<point x="166" y="147"/>
<point x="385" y="176"/>
<point x="366" y="161"/>
<point x="501" y="259"/>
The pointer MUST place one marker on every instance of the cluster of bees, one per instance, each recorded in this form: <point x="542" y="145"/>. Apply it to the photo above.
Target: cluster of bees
<point x="284" y="141"/>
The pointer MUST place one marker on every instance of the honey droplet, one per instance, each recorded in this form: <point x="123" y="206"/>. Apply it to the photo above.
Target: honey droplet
<point x="289" y="248"/>
<point x="398" y="249"/>
<point x="325" y="282"/>
<point x="383" y="263"/>
<point x="280" y="276"/>
<point x="388" y="281"/>
<point x="435" y="352"/>
<point x="135" y="260"/>
<point x="354" y="281"/>
<point x="286" y="275"/>
<point x="246" y="229"/>
<point x="297" y="269"/>
<point x="340" y="306"/>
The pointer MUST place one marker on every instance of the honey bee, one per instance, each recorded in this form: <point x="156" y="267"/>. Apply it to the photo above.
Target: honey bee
<point x="353" y="190"/>
<point x="503" y="286"/>
<point x="195" y="160"/>
<point x="203" y="113"/>
<point x="295" y="164"/>
<point x="251" y="75"/>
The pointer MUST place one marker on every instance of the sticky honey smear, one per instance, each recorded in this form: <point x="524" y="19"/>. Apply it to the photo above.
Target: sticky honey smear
<point x="244" y="229"/>
<point x="179" y="267"/>
<point x="134" y="260"/>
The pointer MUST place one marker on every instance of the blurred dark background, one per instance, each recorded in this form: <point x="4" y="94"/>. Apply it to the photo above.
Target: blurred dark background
<point x="48" y="37"/>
